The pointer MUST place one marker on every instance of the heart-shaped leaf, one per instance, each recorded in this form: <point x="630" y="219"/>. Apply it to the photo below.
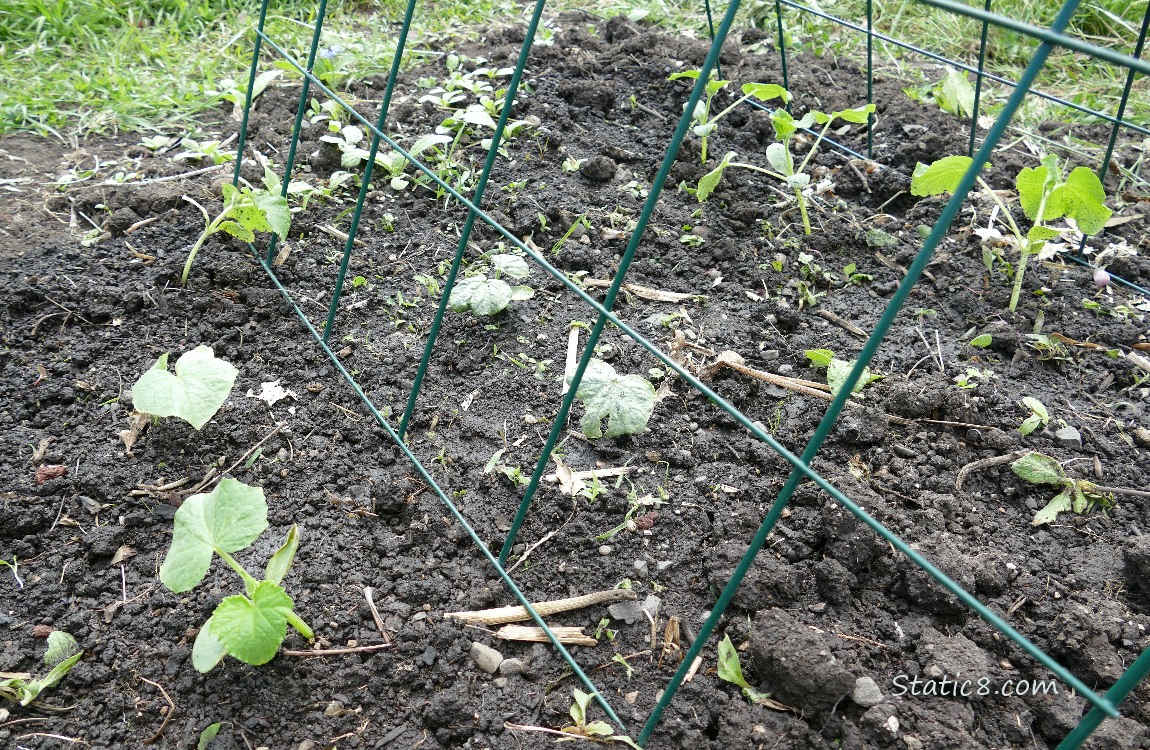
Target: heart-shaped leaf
<point x="207" y="651"/>
<point x="626" y="401"/>
<point x="481" y="295"/>
<point x="252" y="629"/>
<point x="194" y="393"/>
<point x="943" y="176"/>
<point x="227" y="519"/>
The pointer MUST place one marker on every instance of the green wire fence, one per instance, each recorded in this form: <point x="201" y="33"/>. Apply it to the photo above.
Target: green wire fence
<point x="1101" y="705"/>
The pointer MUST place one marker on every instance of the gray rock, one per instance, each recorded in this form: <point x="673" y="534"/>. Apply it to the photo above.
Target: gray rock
<point x="485" y="657"/>
<point x="641" y="569"/>
<point x="515" y="666"/>
<point x="663" y="565"/>
<point x="606" y="549"/>
<point x="628" y="612"/>
<point x="1068" y="437"/>
<point x="1137" y="558"/>
<point x="866" y="692"/>
<point x="651" y="604"/>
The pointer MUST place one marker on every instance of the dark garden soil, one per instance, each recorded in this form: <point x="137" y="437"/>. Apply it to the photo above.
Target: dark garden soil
<point x="830" y="620"/>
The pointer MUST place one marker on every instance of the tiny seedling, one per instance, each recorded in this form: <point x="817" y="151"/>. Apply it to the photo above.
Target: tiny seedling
<point x="482" y="295"/>
<point x="972" y="378"/>
<point x="625" y="401"/>
<point x="730" y="670"/>
<point x="853" y="276"/>
<point x="209" y="151"/>
<point x="1043" y="194"/>
<point x="250" y="627"/>
<point x="953" y="94"/>
<point x="982" y="341"/>
<point x="838" y="369"/>
<point x="1077" y="495"/>
<point x="246" y="211"/>
<point x="591" y="730"/>
<point x="194" y="394"/>
<point x="62" y="654"/>
<point x="14" y="567"/>
<point x="780" y="155"/>
<point x="705" y="123"/>
<point x="1039" y="417"/>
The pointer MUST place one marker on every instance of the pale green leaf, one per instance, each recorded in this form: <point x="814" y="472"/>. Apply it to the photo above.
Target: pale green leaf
<point x="705" y="130"/>
<point x="1031" y="184"/>
<point x="943" y="176"/>
<point x="281" y="561"/>
<point x="692" y="74"/>
<point x="765" y="91"/>
<point x="1083" y="199"/>
<point x="208" y="735"/>
<point x="1040" y="233"/>
<point x="481" y="295"/>
<point x="1030" y="424"/>
<point x="194" y="393"/>
<point x="730" y="669"/>
<point x="236" y="230"/>
<point x="598" y="729"/>
<point x="207" y="651"/>
<point x="33" y="689"/>
<point x="957" y="93"/>
<point x="276" y="212"/>
<point x="780" y="159"/>
<point x="351" y="134"/>
<point x="431" y="140"/>
<point x="838" y="370"/>
<point x="61" y="645"/>
<point x="819" y="357"/>
<point x="1037" y="407"/>
<point x="520" y="293"/>
<point x="511" y="265"/>
<point x="982" y="341"/>
<point x="858" y="115"/>
<point x="626" y="401"/>
<point x="710" y="181"/>
<point x="1038" y="468"/>
<point x="227" y="519"/>
<point x="579" y="707"/>
<point x="1062" y="503"/>
<point x="252" y="629"/>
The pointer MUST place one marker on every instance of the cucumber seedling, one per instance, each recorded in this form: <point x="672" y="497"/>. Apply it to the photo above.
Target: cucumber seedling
<point x="249" y="626"/>
<point x="705" y="123"/>
<point x="246" y="211"/>
<point x="484" y="295"/>
<point x="625" y="401"/>
<point x="780" y="155"/>
<point x="1044" y="195"/>
<point x="194" y="394"/>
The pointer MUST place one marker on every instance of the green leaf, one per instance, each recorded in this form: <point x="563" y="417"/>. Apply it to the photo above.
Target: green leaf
<point x="730" y="669"/>
<point x="1062" y="503"/>
<point x="838" y="370"/>
<point x="61" y="645"/>
<point x="784" y="124"/>
<point x="33" y="689"/>
<point x="1038" y="468"/>
<point x="1040" y="233"/>
<point x="511" y="265"/>
<point x="710" y="181"/>
<point x="819" y="357"/>
<point x="1083" y="199"/>
<point x="982" y="341"/>
<point x="780" y="159"/>
<point x="1037" y="407"/>
<point x="943" y="176"/>
<point x="692" y="74"/>
<point x="236" y="230"/>
<point x="598" y="729"/>
<point x="578" y="709"/>
<point x="194" y="393"/>
<point x="208" y="735"/>
<point x="207" y="651"/>
<point x="252" y="629"/>
<point x="520" y="293"/>
<point x="715" y="86"/>
<point x="1031" y="184"/>
<point x="1030" y="424"/>
<point x="227" y="519"/>
<point x="766" y="91"/>
<point x="431" y="140"/>
<point x="277" y="214"/>
<point x="626" y="401"/>
<point x="957" y="93"/>
<point x="281" y="561"/>
<point x="481" y="295"/>
<point x="705" y="130"/>
<point x="858" y="115"/>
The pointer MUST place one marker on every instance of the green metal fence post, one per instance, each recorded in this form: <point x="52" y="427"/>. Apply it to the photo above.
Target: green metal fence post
<point x="477" y="201"/>
<point x="782" y="49"/>
<point x="558" y="424"/>
<point x="242" y="138"/>
<point x="1116" y="694"/>
<point x="365" y="183"/>
<point x="978" y="82"/>
<point x="870" y="77"/>
<point x="941" y="227"/>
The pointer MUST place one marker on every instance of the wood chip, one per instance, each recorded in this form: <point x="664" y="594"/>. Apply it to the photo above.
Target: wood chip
<point x="503" y="615"/>
<point x="568" y="636"/>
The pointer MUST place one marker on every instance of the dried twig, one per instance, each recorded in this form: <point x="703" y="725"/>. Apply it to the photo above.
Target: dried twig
<point x="570" y="636"/>
<point x="337" y="651"/>
<point x="985" y="464"/>
<point x="502" y="615"/>
<point x="367" y="592"/>
<point x="167" y="717"/>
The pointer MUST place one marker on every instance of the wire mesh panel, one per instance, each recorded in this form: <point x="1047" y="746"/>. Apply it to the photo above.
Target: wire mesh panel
<point x="463" y="188"/>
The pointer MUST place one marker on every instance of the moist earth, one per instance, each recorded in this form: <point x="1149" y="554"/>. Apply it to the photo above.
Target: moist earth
<point x="830" y="621"/>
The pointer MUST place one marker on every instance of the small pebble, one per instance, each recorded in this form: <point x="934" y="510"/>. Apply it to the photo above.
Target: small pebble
<point x="641" y="569"/>
<point x="866" y="692"/>
<point x="606" y="549"/>
<point x="1068" y="437"/>
<point x="486" y="658"/>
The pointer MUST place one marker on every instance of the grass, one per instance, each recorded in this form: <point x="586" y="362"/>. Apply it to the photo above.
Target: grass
<point x="96" y="66"/>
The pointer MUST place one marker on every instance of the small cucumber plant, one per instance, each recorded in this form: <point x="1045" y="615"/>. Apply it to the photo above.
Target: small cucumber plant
<point x="625" y="401"/>
<point x="246" y="211"/>
<point x="249" y="626"/>
<point x="1077" y="495"/>
<point x="194" y="394"/>
<point x="780" y="154"/>
<point x="705" y="123"/>
<point x="1044" y="195"/>
<point x="62" y="654"/>
<point x="838" y="369"/>
<point x="483" y="295"/>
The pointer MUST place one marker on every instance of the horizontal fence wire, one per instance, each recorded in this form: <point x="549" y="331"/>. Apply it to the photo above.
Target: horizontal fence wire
<point x="1102" y="706"/>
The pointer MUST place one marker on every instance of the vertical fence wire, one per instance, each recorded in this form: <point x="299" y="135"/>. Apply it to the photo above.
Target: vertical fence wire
<point x="297" y="127"/>
<point x="870" y="77"/>
<point x="978" y="78"/>
<point x="560" y="421"/>
<point x="469" y="225"/>
<point x="1139" y="46"/>
<point x="241" y="140"/>
<point x="365" y="182"/>
<point x="782" y="50"/>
